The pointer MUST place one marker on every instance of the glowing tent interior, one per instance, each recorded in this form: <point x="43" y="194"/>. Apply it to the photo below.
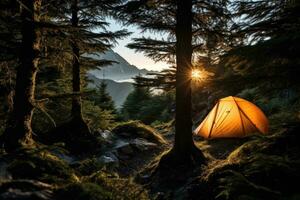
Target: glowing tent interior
<point x="233" y="117"/>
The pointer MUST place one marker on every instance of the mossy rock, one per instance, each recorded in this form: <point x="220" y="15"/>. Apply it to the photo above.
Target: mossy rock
<point x="42" y="166"/>
<point x="136" y="129"/>
<point x="87" y="166"/>
<point x="83" y="191"/>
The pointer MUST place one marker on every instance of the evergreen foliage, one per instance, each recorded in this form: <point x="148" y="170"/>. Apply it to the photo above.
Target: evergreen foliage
<point x="141" y="104"/>
<point x="102" y="98"/>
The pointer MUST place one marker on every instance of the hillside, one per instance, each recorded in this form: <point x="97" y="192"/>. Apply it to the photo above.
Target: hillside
<point x="119" y="71"/>
<point x="117" y="90"/>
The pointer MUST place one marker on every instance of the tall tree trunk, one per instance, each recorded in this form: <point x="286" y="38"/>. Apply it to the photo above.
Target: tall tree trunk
<point x="18" y="131"/>
<point x="183" y="120"/>
<point x="76" y="112"/>
<point x="184" y="151"/>
<point x="76" y="100"/>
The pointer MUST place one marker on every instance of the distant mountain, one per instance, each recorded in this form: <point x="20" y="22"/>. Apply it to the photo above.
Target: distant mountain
<point x="117" y="90"/>
<point x="119" y="71"/>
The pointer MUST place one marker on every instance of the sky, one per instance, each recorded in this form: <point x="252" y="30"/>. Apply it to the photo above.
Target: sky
<point x="134" y="58"/>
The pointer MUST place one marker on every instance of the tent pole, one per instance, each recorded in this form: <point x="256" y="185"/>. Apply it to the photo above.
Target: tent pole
<point x="248" y="118"/>
<point x="239" y="110"/>
<point x="214" y="119"/>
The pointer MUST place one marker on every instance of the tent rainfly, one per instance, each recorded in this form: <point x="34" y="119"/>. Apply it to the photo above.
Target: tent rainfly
<point x="233" y="117"/>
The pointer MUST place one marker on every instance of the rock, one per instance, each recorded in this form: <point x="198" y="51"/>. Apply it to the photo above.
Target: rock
<point x="125" y="134"/>
<point x="106" y="135"/>
<point x="123" y="149"/>
<point x="98" y="132"/>
<point x="142" y="144"/>
<point x="64" y="157"/>
<point x="108" y="158"/>
<point x="120" y="144"/>
<point x="126" y="149"/>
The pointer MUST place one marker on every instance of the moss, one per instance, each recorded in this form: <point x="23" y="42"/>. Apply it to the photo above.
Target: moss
<point x="88" y="166"/>
<point x="164" y="127"/>
<point x="234" y="185"/>
<point x="120" y="188"/>
<point x="245" y="150"/>
<point x="137" y="129"/>
<point x="43" y="166"/>
<point x="275" y="172"/>
<point x="263" y="168"/>
<point x="83" y="191"/>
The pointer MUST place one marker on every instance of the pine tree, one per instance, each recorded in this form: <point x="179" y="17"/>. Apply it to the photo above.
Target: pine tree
<point x="9" y="47"/>
<point x="184" y="150"/>
<point x="104" y="100"/>
<point x="85" y="35"/>
<point x="200" y="23"/>
<point x="134" y="102"/>
<point x="269" y="48"/>
<point x="19" y="132"/>
<point x="76" y="112"/>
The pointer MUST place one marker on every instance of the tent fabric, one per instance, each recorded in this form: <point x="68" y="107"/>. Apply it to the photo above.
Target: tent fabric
<point x="233" y="117"/>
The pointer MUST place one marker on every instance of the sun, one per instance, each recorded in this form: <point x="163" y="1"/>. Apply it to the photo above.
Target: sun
<point x="196" y="74"/>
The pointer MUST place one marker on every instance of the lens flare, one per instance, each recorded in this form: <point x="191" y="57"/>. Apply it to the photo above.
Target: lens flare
<point x="196" y="74"/>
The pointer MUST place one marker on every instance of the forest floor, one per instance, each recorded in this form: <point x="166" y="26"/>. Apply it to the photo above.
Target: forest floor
<point x="257" y="167"/>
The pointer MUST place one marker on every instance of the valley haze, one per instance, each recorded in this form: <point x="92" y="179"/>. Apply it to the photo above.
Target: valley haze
<point x="118" y="76"/>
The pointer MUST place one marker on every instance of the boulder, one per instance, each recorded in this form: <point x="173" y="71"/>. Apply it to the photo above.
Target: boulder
<point x="142" y="144"/>
<point x="109" y="158"/>
<point x="126" y="149"/>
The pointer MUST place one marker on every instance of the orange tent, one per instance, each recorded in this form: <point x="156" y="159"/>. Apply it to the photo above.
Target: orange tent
<point x="233" y="117"/>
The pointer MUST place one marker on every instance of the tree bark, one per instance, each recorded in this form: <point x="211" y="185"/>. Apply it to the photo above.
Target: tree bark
<point x="183" y="120"/>
<point x="76" y="112"/>
<point x="76" y="100"/>
<point x="18" y="131"/>
<point x="184" y="151"/>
